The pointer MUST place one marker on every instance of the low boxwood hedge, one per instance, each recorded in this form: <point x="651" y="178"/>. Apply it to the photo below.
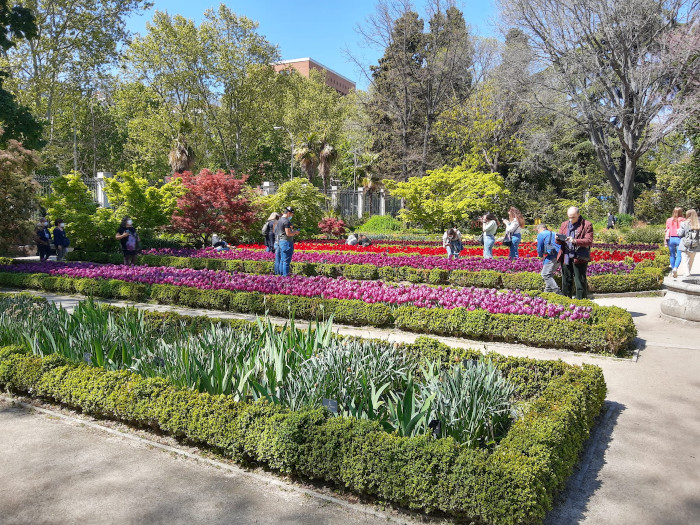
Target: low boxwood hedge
<point x="612" y="330"/>
<point x="513" y="484"/>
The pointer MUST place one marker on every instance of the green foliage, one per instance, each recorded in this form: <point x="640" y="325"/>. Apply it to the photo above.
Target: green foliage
<point x="308" y="203"/>
<point x="380" y="224"/>
<point x="449" y="196"/>
<point x="18" y="193"/>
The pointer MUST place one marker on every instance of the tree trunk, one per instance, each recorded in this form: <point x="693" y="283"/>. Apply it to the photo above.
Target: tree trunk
<point x="627" y="196"/>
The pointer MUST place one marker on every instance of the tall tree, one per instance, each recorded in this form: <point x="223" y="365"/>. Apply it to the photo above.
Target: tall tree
<point x="627" y="70"/>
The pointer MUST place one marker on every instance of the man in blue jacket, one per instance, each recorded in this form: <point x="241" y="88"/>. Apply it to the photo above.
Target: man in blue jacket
<point x="548" y="249"/>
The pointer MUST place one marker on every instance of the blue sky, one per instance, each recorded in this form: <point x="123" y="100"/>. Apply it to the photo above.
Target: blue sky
<point x="312" y="28"/>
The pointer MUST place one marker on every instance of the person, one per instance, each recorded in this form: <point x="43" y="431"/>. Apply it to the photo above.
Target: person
<point x="452" y="242"/>
<point x="514" y="225"/>
<point x="548" y="250"/>
<point x="268" y="231"/>
<point x="284" y="235"/>
<point x="364" y="241"/>
<point x="672" y="240"/>
<point x="353" y="240"/>
<point x="689" y="234"/>
<point x="219" y="244"/>
<point x="575" y="238"/>
<point x="489" y="227"/>
<point x="43" y="240"/>
<point x="60" y="240"/>
<point x="611" y="221"/>
<point x="129" y="239"/>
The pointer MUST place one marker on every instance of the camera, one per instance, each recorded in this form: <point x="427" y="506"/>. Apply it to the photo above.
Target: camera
<point x="561" y="237"/>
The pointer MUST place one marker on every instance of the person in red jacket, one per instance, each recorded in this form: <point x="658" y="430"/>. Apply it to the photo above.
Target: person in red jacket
<point x="575" y="237"/>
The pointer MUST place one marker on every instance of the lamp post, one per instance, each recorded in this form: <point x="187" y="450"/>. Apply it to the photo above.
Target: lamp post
<point x="291" y="161"/>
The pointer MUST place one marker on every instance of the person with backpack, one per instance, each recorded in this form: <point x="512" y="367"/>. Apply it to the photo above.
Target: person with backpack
<point x="284" y="236"/>
<point x="672" y="239"/>
<point x="547" y="250"/>
<point x="43" y="240"/>
<point x="452" y="242"/>
<point x="60" y="240"/>
<point x="129" y="238"/>
<point x="611" y="221"/>
<point x="689" y="245"/>
<point x="268" y="231"/>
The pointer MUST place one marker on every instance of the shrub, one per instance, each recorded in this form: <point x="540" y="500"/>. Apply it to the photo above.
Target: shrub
<point x="380" y="224"/>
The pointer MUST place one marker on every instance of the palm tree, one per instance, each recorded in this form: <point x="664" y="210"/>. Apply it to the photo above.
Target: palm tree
<point x="327" y="156"/>
<point x="307" y="154"/>
<point x="181" y="156"/>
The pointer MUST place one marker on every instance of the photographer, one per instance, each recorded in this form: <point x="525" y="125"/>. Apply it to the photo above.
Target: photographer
<point x="575" y="238"/>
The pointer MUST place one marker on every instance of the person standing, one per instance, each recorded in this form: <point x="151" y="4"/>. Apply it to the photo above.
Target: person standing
<point x="489" y="227"/>
<point x="575" y="238"/>
<point x="452" y="242"/>
<point x="547" y="250"/>
<point x="673" y="223"/>
<point x="689" y="234"/>
<point x="128" y="237"/>
<point x="43" y="240"/>
<point x="60" y="240"/>
<point x="268" y="231"/>
<point x="514" y="225"/>
<point x="284" y="234"/>
<point x="611" y="221"/>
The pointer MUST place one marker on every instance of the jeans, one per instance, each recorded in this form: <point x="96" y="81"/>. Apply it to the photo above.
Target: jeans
<point x="451" y="250"/>
<point x="574" y="274"/>
<point x="278" y="258"/>
<point x="547" y="273"/>
<point x="687" y="259"/>
<point x="516" y="237"/>
<point x="287" y="250"/>
<point x="673" y="243"/>
<point x="489" y="241"/>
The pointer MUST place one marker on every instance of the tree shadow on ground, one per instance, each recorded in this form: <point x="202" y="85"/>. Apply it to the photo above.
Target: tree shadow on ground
<point x="570" y="506"/>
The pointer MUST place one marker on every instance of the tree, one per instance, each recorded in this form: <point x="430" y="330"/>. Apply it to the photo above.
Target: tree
<point x="213" y="203"/>
<point x="308" y="203"/>
<point x="181" y="156"/>
<point x="626" y="72"/>
<point x="448" y="196"/>
<point x="18" y="193"/>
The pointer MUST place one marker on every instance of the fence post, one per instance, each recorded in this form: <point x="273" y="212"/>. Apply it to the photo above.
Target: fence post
<point x="382" y="202"/>
<point x="334" y="197"/>
<point x="268" y="188"/>
<point x="360" y="201"/>
<point x="100" y="188"/>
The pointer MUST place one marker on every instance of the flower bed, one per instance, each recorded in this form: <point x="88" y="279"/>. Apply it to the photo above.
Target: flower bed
<point x="606" y="330"/>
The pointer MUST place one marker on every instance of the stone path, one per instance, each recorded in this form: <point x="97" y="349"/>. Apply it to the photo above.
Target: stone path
<point x="640" y="466"/>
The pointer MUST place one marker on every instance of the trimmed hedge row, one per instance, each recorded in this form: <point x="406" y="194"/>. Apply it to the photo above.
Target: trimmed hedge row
<point x="648" y="277"/>
<point x="612" y="329"/>
<point x="514" y="484"/>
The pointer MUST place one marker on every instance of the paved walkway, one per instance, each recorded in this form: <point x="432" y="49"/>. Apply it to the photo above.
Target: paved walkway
<point x="640" y="466"/>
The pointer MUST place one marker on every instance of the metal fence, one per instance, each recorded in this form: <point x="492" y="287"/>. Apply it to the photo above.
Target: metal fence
<point x="45" y="186"/>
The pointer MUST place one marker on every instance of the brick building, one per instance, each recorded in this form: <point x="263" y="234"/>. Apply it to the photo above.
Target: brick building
<point x="341" y="84"/>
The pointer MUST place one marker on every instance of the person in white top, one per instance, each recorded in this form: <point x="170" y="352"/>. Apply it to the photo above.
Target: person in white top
<point x="514" y="224"/>
<point x="489" y="227"/>
<point x="689" y="234"/>
<point x="452" y="242"/>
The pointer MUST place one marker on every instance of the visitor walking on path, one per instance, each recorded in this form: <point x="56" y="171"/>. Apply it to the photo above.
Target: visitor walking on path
<point x="490" y="226"/>
<point x="548" y="249"/>
<point x="60" y="240"/>
<point x="689" y="234"/>
<point x="129" y="238"/>
<point x="268" y="231"/>
<point x="611" y="221"/>
<point x="452" y="242"/>
<point x="672" y="239"/>
<point x="575" y="238"/>
<point x="284" y="235"/>
<point x="43" y="240"/>
<point x="513" y="225"/>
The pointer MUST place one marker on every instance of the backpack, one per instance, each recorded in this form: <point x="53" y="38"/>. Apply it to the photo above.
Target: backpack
<point x="265" y="227"/>
<point x="131" y="242"/>
<point x="691" y="239"/>
<point x="550" y="248"/>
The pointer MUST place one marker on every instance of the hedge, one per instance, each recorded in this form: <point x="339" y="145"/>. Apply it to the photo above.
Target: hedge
<point x="612" y="330"/>
<point x="513" y="484"/>
<point x="605" y="283"/>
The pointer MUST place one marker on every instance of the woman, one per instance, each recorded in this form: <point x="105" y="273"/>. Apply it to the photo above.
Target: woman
<point x="268" y="231"/>
<point x="672" y="238"/>
<point x="129" y="239"/>
<point x="513" y="225"/>
<point x="490" y="226"/>
<point x="60" y="239"/>
<point x="689" y="234"/>
<point x="452" y="242"/>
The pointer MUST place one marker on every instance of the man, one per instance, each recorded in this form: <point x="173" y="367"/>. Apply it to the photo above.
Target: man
<point x="611" y="221"/>
<point x="284" y="236"/>
<point x="43" y="240"/>
<point x="548" y="249"/>
<point x="575" y="238"/>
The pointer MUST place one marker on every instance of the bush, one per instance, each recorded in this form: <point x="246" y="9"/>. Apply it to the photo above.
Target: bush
<point x="380" y="224"/>
<point x="646" y="235"/>
<point x="514" y="484"/>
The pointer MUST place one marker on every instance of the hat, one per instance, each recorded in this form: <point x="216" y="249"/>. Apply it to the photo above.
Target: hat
<point x="289" y="209"/>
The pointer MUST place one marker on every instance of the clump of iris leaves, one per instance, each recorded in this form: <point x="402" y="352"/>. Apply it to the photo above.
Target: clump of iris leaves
<point x="368" y="379"/>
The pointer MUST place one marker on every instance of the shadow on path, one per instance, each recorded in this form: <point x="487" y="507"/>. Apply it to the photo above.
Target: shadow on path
<point x="570" y="506"/>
